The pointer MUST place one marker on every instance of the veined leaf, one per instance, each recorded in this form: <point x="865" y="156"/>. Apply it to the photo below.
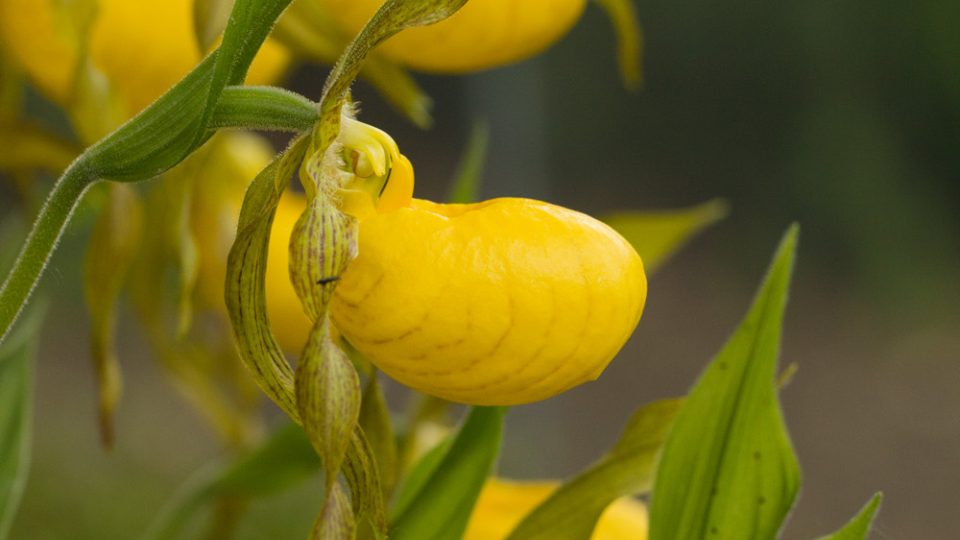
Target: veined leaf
<point x="658" y="235"/>
<point x="728" y="469"/>
<point x="246" y="303"/>
<point x="376" y="424"/>
<point x="246" y="282"/>
<point x="441" y="508"/>
<point x="466" y="182"/>
<point x="16" y="415"/>
<point x="283" y="460"/>
<point x="859" y="527"/>
<point x="572" y="512"/>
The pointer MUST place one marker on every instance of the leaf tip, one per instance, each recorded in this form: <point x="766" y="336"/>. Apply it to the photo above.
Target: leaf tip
<point x="786" y="251"/>
<point x="714" y="210"/>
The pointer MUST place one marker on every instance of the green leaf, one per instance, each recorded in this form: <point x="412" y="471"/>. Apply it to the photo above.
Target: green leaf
<point x="623" y="15"/>
<point x="441" y="508"/>
<point x="658" y="235"/>
<point x="413" y="482"/>
<point x="113" y="244"/>
<point x="16" y="415"/>
<point x="728" y="469"/>
<point x="859" y="527"/>
<point x="466" y="183"/>
<point x="245" y="286"/>
<point x="282" y="461"/>
<point x="376" y="424"/>
<point x="572" y="512"/>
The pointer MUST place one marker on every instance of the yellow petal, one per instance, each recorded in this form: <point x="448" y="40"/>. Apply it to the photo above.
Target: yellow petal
<point x="143" y="47"/>
<point x="30" y="37"/>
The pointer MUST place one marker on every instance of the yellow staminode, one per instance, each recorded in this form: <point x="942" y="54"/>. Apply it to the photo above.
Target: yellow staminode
<point x="503" y="504"/>
<point x="374" y="178"/>
<point x="142" y="47"/>
<point x="503" y="302"/>
<point x="483" y="34"/>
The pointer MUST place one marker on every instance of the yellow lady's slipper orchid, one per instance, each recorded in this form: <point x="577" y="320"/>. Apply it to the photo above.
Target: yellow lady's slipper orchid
<point x="483" y="34"/>
<point x="142" y="47"/>
<point x="503" y="504"/>
<point x="503" y="302"/>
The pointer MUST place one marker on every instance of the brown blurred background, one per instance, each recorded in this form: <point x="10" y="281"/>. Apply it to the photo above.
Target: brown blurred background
<point x="840" y="115"/>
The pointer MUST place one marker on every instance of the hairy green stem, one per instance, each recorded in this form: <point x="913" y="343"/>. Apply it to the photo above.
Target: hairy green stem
<point x="41" y="242"/>
<point x="263" y="107"/>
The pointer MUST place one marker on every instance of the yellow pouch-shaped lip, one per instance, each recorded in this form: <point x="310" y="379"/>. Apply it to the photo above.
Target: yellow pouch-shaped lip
<point x="483" y="34"/>
<point x="504" y="503"/>
<point x="503" y="302"/>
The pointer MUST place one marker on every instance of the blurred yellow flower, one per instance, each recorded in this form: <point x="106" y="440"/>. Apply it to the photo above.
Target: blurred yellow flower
<point x="141" y="47"/>
<point x="483" y="34"/>
<point x="503" y="504"/>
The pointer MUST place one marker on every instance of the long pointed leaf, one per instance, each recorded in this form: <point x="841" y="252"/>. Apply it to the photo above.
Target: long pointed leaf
<point x="572" y="512"/>
<point x="728" y="469"/>
<point x="245" y="287"/>
<point x="467" y="180"/>
<point x="442" y="507"/>
<point x="283" y="460"/>
<point x="16" y="413"/>
<point x="859" y="527"/>
<point x="658" y="235"/>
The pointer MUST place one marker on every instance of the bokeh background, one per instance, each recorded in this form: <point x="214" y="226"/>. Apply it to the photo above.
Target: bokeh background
<point x="840" y="115"/>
